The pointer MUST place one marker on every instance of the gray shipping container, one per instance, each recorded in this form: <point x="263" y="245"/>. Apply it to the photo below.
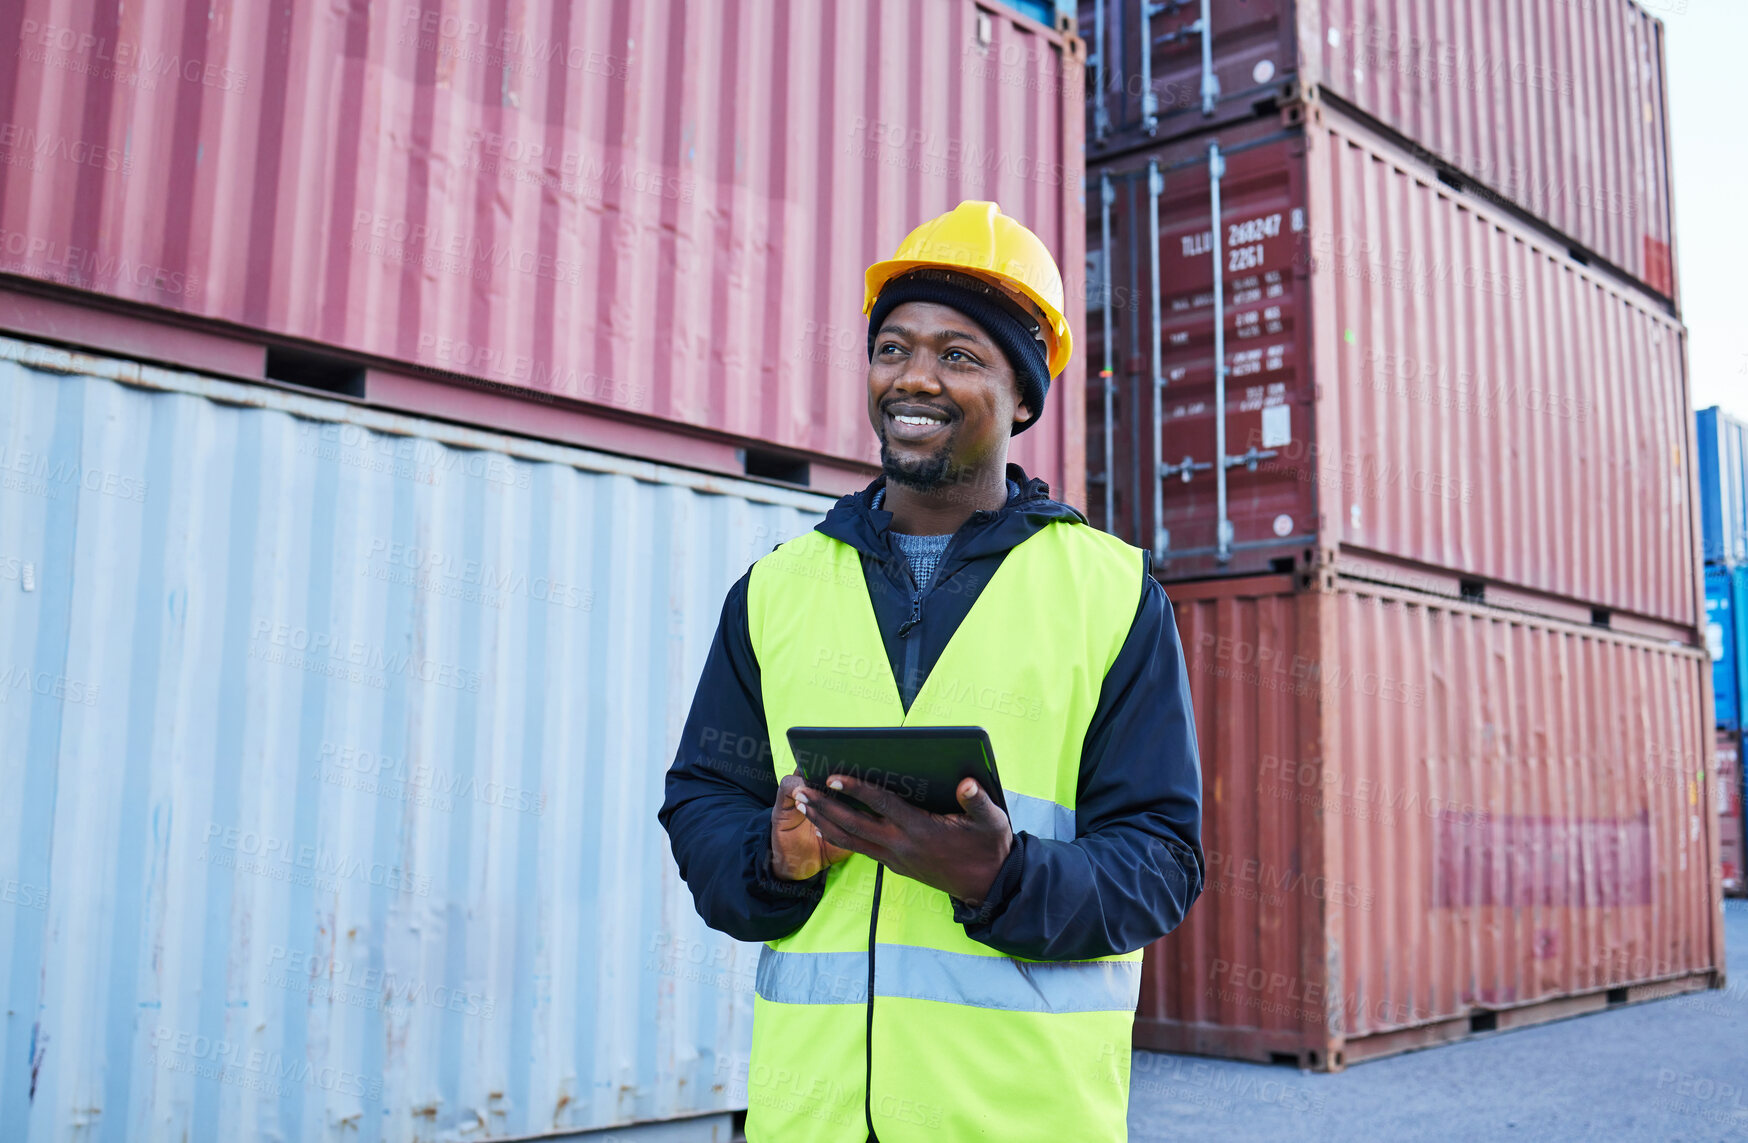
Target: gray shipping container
<point x="333" y="745"/>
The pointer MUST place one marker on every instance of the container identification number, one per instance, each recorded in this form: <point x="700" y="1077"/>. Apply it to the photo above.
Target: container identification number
<point x="1244" y="239"/>
<point x="1244" y="258"/>
<point x="1255" y="230"/>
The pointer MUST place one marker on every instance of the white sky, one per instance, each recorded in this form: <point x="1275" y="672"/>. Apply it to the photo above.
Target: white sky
<point x="1707" y="43"/>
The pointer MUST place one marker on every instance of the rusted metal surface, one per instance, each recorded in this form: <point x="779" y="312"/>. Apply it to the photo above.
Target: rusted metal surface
<point x="1559" y="108"/>
<point x="660" y="209"/>
<point x="1418" y="812"/>
<point x="1438" y="385"/>
<point x="335" y="739"/>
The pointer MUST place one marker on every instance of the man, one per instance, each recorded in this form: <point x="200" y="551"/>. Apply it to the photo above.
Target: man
<point x="973" y="975"/>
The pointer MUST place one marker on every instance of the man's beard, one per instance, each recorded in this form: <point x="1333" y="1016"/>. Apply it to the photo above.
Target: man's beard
<point x="921" y="475"/>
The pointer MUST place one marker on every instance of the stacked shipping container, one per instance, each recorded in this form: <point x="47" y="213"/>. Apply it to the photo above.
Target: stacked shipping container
<point x="1410" y="375"/>
<point x="1723" y="487"/>
<point x="1406" y="426"/>
<point x="1557" y="110"/>
<point x="1723" y="504"/>
<point x="343" y="737"/>
<point x="637" y="215"/>
<point x="1423" y="816"/>
<point x="1726" y="626"/>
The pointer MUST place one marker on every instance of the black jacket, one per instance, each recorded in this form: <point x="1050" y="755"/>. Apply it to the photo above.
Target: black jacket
<point x="1128" y="877"/>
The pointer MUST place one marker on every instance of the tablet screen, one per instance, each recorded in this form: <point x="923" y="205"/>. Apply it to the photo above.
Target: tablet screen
<point x="922" y="764"/>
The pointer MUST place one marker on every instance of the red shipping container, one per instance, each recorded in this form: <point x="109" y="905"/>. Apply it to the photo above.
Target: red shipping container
<point x="655" y="211"/>
<point x="1424" y="818"/>
<point x="1729" y="803"/>
<point x="1557" y="107"/>
<point x="1414" y="380"/>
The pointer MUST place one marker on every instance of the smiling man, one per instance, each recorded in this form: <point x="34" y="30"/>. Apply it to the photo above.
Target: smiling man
<point x="968" y="976"/>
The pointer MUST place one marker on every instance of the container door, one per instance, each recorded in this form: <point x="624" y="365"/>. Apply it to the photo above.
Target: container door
<point x="1270" y="494"/>
<point x="1164" y="442"/>
<point x="1153" y="73"/>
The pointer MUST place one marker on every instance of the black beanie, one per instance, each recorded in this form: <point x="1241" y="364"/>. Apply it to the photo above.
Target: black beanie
<point x="1010" y="327"/>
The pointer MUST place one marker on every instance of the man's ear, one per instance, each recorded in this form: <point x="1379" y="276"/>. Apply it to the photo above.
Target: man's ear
<point x="1022" y="413"/>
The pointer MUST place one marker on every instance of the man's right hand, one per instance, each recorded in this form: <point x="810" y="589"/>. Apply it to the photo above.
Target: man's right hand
<point x="797" y="850"/>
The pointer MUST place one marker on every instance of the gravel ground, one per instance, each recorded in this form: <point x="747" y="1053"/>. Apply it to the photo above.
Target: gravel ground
<point x="1667" y="1070"/>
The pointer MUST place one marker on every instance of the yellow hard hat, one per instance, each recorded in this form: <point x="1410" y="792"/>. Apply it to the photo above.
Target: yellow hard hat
<point x="976" y="238"/>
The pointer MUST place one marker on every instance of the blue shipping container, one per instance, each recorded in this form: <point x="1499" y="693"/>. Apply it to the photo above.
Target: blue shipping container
<point x="1723" y="486"/>
<point x="1046" y="12"/>
<point x="333" y="744"/>
<point x="1727" y="639"/>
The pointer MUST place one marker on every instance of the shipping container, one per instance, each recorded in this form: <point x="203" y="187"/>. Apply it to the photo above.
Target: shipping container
<point x="1729" y="800"/>
<point x="339" y="737"/>
<point x="1409" y="376"/>
<point x="1557" y="108"/>
<point x="1726" y="632"/>
<point x="1723" y="486"/>
<point x="1424" y="818"/>
<point x="654" y="211"/>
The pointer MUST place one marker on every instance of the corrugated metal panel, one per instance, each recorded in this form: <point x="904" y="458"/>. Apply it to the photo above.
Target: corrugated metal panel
<point x="342" y="739"/>
<point x="1497" y="408"/>
<point x="1557" y="107"/>
<point x="1522" y="811"/>
<point x="660" y="207"/>
<point x="1726" y="652"/>
<point x="1438" y="384"/>
<point x="1723" y="486"/>
<point x="1418" y="810"/>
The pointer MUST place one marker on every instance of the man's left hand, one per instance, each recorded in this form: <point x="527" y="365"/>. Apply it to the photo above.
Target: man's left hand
<point x="959" y="854"/>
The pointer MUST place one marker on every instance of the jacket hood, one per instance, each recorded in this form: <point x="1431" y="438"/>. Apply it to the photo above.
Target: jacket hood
<point x="854" y="521"/>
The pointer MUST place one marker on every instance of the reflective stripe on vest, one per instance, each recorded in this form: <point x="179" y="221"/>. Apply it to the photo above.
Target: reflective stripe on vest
<point x="1038" y="816"/>
<point x="966" y="1043"/>
<point x="954" y="978"/>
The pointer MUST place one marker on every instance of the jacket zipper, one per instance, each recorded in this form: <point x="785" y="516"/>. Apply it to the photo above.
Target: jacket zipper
<point x="907" y="683"/>
<point x="868" y="1044"/>
<point x="913" y="654"/>
<point x="912" y="648"/>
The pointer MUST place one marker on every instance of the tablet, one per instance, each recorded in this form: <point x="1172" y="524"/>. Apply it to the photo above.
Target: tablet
<point x="922" y="764"/>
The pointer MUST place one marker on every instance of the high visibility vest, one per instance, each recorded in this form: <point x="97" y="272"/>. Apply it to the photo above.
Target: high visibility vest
<point x="961" y="1042"/>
